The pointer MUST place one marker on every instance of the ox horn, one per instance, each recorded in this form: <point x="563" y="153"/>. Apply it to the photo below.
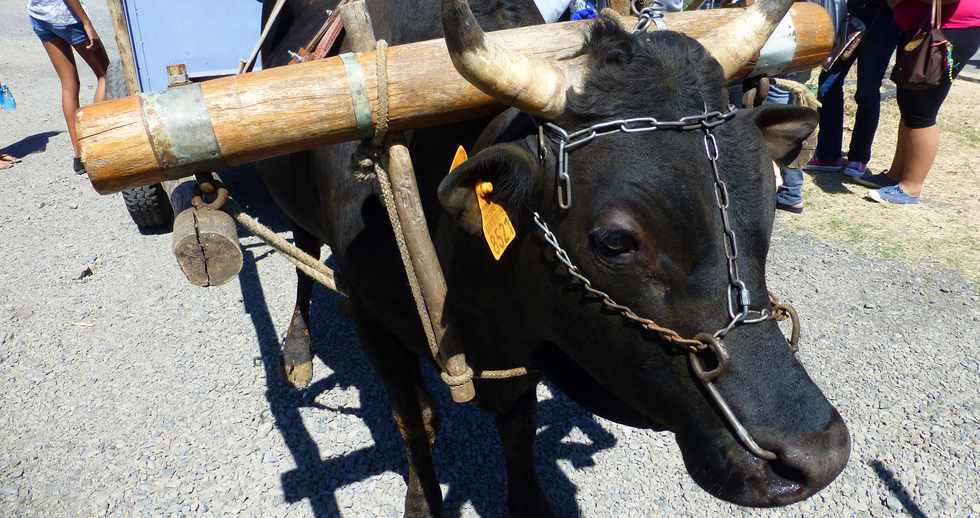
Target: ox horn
<point x="512" y="78"/>
<point x="740" y="40"/>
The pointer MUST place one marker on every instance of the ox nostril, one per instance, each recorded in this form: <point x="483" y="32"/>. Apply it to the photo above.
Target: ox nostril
<point x="787" y="471"/>
<point x="814" y="460"/>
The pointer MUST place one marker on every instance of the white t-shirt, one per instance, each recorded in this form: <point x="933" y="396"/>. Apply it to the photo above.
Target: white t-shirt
<point x="551" y="10"/>
<point x="55" y="12"/>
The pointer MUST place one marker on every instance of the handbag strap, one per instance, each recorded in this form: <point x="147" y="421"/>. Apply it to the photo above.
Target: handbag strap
<point x="937" y="14"/>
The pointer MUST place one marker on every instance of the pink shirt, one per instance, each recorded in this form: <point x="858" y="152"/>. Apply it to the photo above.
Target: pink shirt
<point x="912" y="14"/>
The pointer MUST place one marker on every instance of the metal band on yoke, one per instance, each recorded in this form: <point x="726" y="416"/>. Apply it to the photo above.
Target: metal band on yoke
<point x="180" y="130"/>
<point x="779" y="50"/>
<point x="358" y="94"/>
<point x="647" y="16"/>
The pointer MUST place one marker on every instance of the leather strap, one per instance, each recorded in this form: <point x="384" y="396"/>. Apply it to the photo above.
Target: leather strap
<point x="323" y="42"/>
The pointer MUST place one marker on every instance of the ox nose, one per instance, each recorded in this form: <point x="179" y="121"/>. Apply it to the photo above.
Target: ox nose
<point x="812" y="460"/>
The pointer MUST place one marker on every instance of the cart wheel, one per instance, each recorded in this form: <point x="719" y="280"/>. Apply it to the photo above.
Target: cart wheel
<point x="149" y="206"/>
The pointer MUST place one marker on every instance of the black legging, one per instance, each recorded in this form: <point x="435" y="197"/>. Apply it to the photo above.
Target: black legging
<point x="919" y="108"/>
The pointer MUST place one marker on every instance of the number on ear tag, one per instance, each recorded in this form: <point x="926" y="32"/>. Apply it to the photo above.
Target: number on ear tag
<point x="497" y="228"/>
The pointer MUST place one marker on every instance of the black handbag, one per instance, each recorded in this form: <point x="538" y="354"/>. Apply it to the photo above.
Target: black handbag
<point x="924" y="61"/>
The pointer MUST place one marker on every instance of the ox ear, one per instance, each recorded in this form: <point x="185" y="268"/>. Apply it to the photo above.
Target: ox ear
<point x="509" y="167"/>
<point x="784" y="128"/>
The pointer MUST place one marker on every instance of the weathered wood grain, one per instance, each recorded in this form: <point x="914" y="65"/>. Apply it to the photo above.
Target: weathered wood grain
<point x="287" y="109"/>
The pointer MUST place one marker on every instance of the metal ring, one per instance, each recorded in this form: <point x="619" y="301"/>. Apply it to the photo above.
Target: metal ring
<point x="794" y="317"/>
<point x="219" y="200"/>
<point x="740" y="431"/>
<point x="721" y="355"/>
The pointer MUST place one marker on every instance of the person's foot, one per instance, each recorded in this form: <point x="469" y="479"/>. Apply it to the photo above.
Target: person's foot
<point x="876" y="181"/>
<point x="795" y="209"/>
<point x="7" y="161"/>
<point x="77" y="166"/>
<point x="892" y="194"/>
<point x="816" y="165"/>
<point x="855" y="169"/>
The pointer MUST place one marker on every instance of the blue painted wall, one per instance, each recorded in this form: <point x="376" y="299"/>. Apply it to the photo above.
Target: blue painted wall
<point x="209" y="36"/>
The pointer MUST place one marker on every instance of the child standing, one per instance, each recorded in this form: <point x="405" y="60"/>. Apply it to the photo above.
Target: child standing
<point x="62" y="25"/>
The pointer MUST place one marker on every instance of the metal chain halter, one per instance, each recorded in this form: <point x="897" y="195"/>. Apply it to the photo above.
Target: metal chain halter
<point x="738" y="295"/>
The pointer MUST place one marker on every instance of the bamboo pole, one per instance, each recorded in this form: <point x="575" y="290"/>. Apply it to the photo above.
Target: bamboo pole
<point x="245" y="118"/>
<point x="125" y="45"/>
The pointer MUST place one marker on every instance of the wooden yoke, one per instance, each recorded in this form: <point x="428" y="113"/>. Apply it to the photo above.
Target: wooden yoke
<point x="419" y="257"/>
<point x="230" y="121"/>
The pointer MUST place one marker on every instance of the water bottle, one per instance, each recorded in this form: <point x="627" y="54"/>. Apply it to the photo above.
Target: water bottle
<point x="7" y="102"/>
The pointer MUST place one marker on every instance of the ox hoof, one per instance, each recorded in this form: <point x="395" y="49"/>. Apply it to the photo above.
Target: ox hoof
<point x="297" y="353"/>
<point x="298" y="375"/>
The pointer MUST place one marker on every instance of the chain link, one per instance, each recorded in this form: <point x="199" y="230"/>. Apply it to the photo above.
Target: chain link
<point x="689" y="344"/>
<point x="738" y="296"/>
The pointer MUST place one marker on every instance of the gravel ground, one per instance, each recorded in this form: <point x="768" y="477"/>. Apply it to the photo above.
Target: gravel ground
<point x="127" y="392"/>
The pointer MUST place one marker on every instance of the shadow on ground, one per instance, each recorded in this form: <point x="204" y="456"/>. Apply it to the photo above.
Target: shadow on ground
<point x="896" y="488"/>
<point x="37" y="143"/>
<point x="830" y="183"/>
<point x="469" y="457"/>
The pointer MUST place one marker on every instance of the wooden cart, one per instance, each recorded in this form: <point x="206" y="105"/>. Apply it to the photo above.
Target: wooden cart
<point x="209" y="38"/>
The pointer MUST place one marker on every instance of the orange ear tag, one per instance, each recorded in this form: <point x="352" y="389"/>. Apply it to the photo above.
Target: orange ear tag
<point x="458" y="159"/>
<point x="497" y="228"/>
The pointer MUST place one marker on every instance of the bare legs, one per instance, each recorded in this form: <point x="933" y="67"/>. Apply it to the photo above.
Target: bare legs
<point x="98" y="61"/>
<point x="914" y="155"/>
<point x="61" y="56"/>
<point x="59" y="52"/>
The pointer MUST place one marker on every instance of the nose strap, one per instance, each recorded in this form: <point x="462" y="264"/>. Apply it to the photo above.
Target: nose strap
<point x="743" y="435"/>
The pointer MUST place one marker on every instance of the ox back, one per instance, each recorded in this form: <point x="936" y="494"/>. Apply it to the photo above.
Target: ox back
<point x="316" y="189"/>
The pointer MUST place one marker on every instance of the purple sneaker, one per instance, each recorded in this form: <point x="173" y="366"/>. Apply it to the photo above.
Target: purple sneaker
<point x="816" y="165"/>
<point x="855" y="169"/>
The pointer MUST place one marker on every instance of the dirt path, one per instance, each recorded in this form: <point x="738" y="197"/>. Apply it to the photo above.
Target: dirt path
<point x="129" y="393"/>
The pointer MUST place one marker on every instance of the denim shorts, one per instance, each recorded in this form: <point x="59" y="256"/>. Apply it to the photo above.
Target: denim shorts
<point x="73" y="34"/>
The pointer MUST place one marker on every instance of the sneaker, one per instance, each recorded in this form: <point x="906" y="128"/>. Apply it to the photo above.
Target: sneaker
<point x="77" y="166"/>
<point x="855" y="169"/>
<point x="876" y="181"/>
<point x="795" y="209"/>
<point x="893" y="194"/>
<point x="823" y="166"/>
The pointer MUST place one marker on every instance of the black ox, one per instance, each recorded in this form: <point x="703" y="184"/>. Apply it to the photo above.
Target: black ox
<point x="644" y="226"/>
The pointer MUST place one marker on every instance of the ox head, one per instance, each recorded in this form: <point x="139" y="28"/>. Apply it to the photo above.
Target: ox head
<point x="645" y="228"/>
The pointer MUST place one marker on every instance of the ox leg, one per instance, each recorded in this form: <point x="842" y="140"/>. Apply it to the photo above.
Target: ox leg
<point x="297" y="347"/>
<point x="517" y="428"/>
<point x="413" y="410"/>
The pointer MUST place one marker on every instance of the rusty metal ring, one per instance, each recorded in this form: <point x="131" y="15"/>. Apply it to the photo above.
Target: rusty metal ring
<point x="721" y="355"/>
<point x="794" y="317"/>
<point x="219" y="200"/>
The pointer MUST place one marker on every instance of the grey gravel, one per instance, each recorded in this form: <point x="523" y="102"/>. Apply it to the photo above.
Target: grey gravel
<point x="134" y="394"/>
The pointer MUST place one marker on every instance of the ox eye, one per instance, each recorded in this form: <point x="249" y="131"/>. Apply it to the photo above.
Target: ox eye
<point x="612" y="243"/>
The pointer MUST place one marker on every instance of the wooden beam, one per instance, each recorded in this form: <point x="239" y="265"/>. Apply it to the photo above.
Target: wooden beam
<point x="419" y="254"/>
<point x="125" y="45"/>
<point x="287" y="109"/>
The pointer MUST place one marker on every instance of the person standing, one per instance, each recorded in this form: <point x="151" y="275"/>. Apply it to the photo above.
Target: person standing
<point x="62" y="25"/>
<point x="918" y="134"/>
<point x="872" y="56"/>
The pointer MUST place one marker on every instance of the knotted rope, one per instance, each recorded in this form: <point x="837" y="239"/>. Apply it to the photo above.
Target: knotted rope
<point x="371" y="160"/>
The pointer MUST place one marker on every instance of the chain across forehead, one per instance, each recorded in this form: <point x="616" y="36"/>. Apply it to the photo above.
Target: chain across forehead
<point x="738" y="295"/>
<point x="570" y="141"/>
